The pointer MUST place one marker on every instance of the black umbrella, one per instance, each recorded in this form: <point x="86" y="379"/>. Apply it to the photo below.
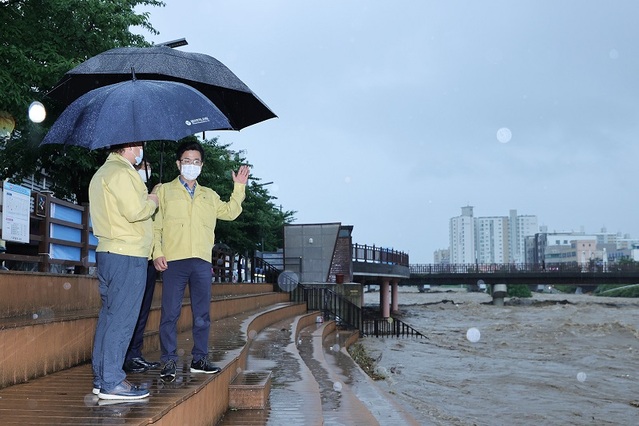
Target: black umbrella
<point x="205" y="73"/>
<point x="135" y="111"/>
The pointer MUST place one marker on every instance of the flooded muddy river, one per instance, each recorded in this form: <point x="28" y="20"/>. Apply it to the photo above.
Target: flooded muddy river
<point x="554" y="359"/>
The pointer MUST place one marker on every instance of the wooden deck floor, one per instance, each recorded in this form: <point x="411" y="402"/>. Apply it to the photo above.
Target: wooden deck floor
<point x="65" y="397"/>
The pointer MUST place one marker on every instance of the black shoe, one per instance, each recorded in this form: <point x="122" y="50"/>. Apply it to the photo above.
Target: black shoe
<point x="133" y="366"/>
<point x="150" y="365"/>
<point x="204" y="366"/>
<point x="168" y="371"/>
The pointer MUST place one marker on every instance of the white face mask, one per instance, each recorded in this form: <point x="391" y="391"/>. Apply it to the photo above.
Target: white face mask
<point x="190" y="171"/>
<point x="138" y="158"/>
<point x="142" y="173"/>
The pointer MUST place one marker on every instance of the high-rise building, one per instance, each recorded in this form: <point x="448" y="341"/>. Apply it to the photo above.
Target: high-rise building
<point x="491" y="239"/>
<point x="520" y="227"/>
<point x="494" y="239"/>
<point x="441" y="257"/>
<point x="462" y="237"/>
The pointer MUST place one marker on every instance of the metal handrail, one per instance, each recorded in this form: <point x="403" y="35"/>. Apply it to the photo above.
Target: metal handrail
<point x="389" y="327"/>
<point x="373" y="254"/>
<point x="465" y="268"/>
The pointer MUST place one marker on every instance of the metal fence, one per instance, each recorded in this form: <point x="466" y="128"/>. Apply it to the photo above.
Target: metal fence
<point x="373" y="254"/>
<point x="465" y="268"/>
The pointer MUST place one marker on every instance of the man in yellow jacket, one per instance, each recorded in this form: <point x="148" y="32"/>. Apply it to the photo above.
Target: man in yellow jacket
<point x="121" y="210"/>
<point x="184" y="234"/>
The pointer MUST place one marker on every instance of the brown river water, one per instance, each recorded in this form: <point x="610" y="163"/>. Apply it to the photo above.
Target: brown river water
<point x="553" y="359"/>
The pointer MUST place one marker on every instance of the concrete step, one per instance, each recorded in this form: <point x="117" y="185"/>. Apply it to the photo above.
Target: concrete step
<point x="59" y="336"/>
<point x="65" y="397"/>
<point x="294" y="395"/>
<point x="351" y="379"/>
<point x="339" y="404"/>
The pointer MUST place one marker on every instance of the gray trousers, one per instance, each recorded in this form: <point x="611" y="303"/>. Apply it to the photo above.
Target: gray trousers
<point x="122" y="282"/>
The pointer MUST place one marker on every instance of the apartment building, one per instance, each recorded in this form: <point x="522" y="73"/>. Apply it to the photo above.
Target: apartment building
<point x="462" y="237"/>
<point x="491" y="239"/>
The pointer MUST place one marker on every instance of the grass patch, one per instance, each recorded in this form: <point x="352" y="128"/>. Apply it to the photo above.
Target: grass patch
<point x="366" y="363"/>
<point x="519" y="290"/>
<point x="615" y="290"/>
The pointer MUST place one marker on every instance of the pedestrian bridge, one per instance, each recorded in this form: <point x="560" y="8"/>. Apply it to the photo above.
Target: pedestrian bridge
<point x="586" y="275"/>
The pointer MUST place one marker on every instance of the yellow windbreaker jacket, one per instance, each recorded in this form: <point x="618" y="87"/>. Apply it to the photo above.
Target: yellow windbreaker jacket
<point x="119" y="208"/>
<point x="184" y="227"/>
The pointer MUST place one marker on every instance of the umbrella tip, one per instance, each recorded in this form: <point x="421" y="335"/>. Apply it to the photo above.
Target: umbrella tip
<point x="133" y="74"/>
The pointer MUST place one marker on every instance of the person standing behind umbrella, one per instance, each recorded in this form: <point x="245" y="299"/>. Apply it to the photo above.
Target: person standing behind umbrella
<point x="121" y="210"/>
<point x="134" y="362"/>
<point x="184" y="234"/>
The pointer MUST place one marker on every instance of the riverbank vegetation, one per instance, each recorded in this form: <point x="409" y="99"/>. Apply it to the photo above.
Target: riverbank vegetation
<point x="366" y="363"/>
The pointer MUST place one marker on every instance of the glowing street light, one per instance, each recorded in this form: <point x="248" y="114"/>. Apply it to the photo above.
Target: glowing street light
<point x="37" y="112"/>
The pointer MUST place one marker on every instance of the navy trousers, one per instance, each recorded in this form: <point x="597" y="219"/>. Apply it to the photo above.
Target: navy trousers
<point x="197" y="274"/>
<point x="135" y="348"/>
<point x="122" y="281"/>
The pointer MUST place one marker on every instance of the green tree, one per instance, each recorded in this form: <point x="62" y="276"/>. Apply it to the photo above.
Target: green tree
<point x="40" y="40"/>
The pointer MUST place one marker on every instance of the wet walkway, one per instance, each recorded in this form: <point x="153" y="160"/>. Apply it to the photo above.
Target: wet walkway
<point x="65" y="397"/>
<point x="314" y="382"/>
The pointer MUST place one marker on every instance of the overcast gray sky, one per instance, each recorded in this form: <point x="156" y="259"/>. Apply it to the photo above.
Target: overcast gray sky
<point x="390" y="112"/>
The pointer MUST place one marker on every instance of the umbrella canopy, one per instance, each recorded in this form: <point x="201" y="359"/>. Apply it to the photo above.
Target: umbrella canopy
<point x="135" y="111"/>
<point x="205" y="73"/>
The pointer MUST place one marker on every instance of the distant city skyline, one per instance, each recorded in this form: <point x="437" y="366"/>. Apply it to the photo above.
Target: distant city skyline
<point x="504" y="238"/>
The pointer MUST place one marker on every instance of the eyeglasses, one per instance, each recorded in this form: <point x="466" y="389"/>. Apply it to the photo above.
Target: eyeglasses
<point x="190" y="161"/>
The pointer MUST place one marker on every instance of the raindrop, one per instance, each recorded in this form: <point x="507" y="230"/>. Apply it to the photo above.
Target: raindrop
<point x="473" y="335"/>
<point x="287" y="281"/>
<point x="199" y="322"/>
<point x="299" y="342"/>
<point x="90" y="400"/>
<point x="66" y="286"/>
<point x="581" y="376"/>
<point x="347" y="179"/>
<point x="180" y="352"/>
<point x="238" y="370"/>
<point x="381" y="371"/>
<point x="252" y="334"/>
<point x="390" y="320"/>
<point x="504" y="135"/>
<point x="335" y="348"/>
<point x="337" y="387"/>
<point x="35" y="316"/>
<point x="613" y="54"/>
<point x="46" y="313"/>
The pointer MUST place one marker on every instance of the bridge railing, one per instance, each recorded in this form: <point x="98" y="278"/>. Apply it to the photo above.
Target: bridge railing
<point x="373" y="254"/>
<point x="466" y="268"/>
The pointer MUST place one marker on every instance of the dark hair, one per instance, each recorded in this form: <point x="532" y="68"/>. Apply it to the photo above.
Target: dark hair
<point x="189" y="146"/>
<point x="120" y="147"/>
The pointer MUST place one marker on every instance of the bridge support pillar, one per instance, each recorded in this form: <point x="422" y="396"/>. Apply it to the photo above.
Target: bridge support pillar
<point x="384" y="304"/>
<point x="394" y="296"/>
<point x="499" y="293"/>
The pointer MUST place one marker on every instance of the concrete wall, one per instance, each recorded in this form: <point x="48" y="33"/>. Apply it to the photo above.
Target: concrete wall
<point x="315" y="245"/>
